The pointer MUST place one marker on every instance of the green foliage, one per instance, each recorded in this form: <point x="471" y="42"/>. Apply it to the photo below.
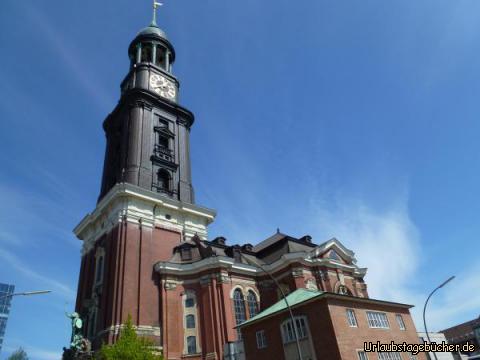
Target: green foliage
<point x="19" y="354"/>
<point x="129" y="346"/>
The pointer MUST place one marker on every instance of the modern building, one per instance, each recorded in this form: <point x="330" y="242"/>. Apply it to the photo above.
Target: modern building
<point x="330" y="326"/>
<point x="467" y="331"/>
<point x="146" y="248"/>
<point x="436" y="337"/>
<point x="5" y="301"/>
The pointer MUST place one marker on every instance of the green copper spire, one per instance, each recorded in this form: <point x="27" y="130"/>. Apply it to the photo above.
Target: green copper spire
<point x="155" y="6"/>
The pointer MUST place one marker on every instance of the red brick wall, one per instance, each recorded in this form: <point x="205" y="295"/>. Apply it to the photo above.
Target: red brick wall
<point x="349" y="339"/>
<point x="333" y="339"/>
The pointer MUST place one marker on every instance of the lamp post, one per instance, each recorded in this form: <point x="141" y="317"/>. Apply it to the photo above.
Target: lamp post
<point x="294" y="325"/>
<point x="27" y="293"/>
<point x="425" y="308"/>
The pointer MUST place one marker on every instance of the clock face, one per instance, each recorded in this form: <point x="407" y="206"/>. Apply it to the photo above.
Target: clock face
<point x="163" y="87"/>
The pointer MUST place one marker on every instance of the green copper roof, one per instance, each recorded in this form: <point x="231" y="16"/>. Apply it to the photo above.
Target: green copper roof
<point x="296" y="297"/>
<point x="153" y="29"/>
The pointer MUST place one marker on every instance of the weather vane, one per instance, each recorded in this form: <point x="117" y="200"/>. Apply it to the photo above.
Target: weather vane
<point x="156" y="4"/>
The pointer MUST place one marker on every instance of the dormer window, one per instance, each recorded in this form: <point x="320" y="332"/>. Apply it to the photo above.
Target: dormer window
<point x="186" y="254"/>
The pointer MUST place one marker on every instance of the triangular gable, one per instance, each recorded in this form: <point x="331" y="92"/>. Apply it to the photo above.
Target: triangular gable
<point x="334" y="245"/>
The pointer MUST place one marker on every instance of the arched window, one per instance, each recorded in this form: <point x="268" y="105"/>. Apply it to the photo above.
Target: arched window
<point x="239" y="306"/>
<point x="163" y="180"/>
<point x="252" y="303"/>
<point x="190" y="321"/>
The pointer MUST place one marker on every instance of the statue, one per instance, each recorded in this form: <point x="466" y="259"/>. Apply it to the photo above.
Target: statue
<point x="80" y="347"/>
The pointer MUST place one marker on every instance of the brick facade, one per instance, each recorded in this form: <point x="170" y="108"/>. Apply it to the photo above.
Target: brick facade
<point x="332" y="336"/>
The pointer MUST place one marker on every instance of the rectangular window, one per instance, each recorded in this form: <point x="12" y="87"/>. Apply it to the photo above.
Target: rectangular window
<point x="389" y="356"/>
<point x="352" y="320"/>
<point x="190" y="321"/>
<point x="189" y="302"/>
<point x="261" y="339"/>
<point x="362" y="355"/>
<point x="191" y="345"/>
<point x="400" y="322"/>
<point x="289" y="332"/>
<point x="377" y="320"/>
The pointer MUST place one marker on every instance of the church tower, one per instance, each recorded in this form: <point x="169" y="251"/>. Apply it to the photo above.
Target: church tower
<point x="148" y="132"/>
<point x="146" y="204"/>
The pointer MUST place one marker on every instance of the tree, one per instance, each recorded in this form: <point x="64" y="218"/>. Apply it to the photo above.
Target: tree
<point x="19" y="354"/>
<point x="129" y="346"/>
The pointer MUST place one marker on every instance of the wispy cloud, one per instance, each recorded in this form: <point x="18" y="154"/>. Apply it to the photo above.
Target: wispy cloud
<point x="24" y="269"/>
<point x="386" y="242"/>
<point x="389" y="244"/>
<point x="69" y="57"/>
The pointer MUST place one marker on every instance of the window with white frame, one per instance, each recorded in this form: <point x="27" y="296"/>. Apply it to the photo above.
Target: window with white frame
<point x="352" y="320"/>
<point x="362" y="355"/>
<point x="377" y="320"/>
<point x="389" y="356"/>
<point x="191" y="345"/>
<point x="190" y="321"/>
<point x="190" y="301"/>
<point x="400" y="322"/>
<point x="190" y="333"/>
<point x="239" y="307"/>
<point x="239" y="310"/>
<point x="289" y="332"/>
<point x="261" y="339"/>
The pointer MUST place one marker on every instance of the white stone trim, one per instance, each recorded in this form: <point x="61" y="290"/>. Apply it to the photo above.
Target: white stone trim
<point x="225" y="262"/>
<point x="235" y="287"/>
<point x="143" y="330"/>
<point x="140" y="206"/>
<point x="249" y="288"/>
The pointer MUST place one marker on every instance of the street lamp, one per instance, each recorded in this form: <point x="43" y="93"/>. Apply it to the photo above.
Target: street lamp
<point x="425" y="308"/>
<point x="294" y="325"/>
<point x="27" y="293"/>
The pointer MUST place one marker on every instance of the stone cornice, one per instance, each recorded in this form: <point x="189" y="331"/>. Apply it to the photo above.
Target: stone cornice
<point x="224" y="262"/>
<point x="136" y="205"/>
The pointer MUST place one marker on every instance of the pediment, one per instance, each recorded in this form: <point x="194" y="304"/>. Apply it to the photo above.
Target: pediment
<point x="164" y="131"/>
<point x="334" y="250"/>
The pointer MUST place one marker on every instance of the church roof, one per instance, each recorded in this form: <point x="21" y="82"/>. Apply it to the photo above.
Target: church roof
<point x="153" y="30"/>
<point x="302" y="295"/>
<point x="269" y="241"/>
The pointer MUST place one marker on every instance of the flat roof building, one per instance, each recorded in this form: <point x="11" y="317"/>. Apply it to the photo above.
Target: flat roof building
<point x="5" y="301"/>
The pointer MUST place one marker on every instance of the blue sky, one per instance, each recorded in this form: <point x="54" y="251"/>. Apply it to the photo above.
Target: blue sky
<point x="353" y="119"/>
